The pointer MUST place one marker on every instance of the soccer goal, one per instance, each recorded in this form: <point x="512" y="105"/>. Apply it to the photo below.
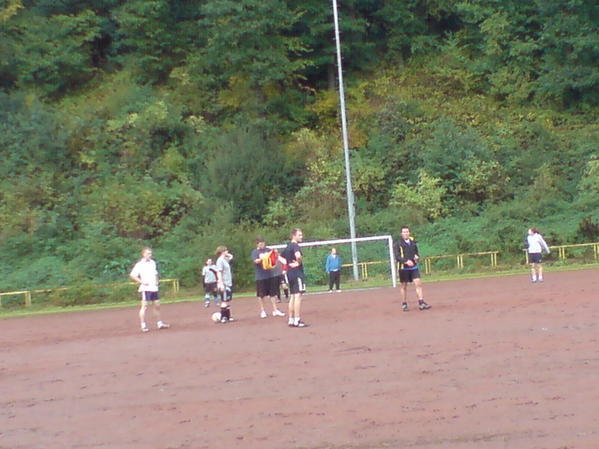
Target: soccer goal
<point x="374" y="258"/>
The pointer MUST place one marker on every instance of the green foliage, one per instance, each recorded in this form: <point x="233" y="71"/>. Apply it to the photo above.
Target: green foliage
<point x="52" y="54"/>
<point x="426" y="197"/>
<point x="246" y="170"/>
<point x="159" y="33"/>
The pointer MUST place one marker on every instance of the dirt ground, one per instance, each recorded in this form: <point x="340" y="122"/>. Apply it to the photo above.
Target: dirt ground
<point x="496" y="363"/>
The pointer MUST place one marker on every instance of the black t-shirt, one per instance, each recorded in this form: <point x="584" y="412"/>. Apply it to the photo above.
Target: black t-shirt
<point x="289" y="254"/>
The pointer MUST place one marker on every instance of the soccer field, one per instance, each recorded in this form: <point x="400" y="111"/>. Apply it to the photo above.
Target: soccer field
<point x="496" y="363"/>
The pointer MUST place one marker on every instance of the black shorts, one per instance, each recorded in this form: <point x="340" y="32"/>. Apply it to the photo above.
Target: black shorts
<point x="149" y="296"/>
<point x="535" y="258"/>
<point x="406" y="276"/>
<point x="210" y="288"/>
<point x="267" y="287"/>
<point x="297" y="285"/>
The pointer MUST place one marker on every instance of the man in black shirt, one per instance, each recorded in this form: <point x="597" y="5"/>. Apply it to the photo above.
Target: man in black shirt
<point x="295" y="273"/>
<point x="406" y="254"/>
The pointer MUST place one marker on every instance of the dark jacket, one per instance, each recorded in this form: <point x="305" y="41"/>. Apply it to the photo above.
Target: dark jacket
<point x="405" y="252"/>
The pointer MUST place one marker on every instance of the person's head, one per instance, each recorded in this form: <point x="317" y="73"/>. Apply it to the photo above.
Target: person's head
<point x="405" y="232"/>
<point x="296" y="235"/>
<point x="333" y="251"/>
<point x="532" y="231"/>
<point x="260" y="243"/>
<point x="208" y="261"/>
<point x="146" y="253"/>
<point x="221" y="250"/>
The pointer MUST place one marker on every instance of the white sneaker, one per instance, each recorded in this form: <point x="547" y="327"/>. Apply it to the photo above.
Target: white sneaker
<point x="145" y="329"/>
<point x="339" y="291"/>
<point x="263" y="314"/>
<point x="162" y="325"/>
<point x="277" y="313"/>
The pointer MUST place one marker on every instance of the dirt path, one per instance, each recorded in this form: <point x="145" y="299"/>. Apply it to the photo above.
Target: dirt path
<point x="497" y="363"/>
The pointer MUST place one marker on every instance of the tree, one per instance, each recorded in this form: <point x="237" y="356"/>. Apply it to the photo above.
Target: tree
<point x="156" y="35"/>
<point x="570" y="42"/>
<point x="52" y="54"/>
<point x="246" y="171"/>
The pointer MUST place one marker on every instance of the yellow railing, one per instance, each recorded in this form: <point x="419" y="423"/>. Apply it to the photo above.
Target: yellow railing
<point x="27" y="293"/>
<point x="459" y="258"/>
<point x="561" y="250"/>
<point x="428" y="261"/>
<point x="363" y="267"/>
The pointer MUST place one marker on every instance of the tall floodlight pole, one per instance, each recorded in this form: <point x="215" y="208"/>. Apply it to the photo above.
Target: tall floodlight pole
<point x="350" y="193"/>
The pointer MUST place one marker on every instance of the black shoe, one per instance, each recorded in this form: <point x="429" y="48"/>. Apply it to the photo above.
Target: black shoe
<point x="423" y="305"/>
<point x="404" y="306"/>
<point x="301" y="324"/>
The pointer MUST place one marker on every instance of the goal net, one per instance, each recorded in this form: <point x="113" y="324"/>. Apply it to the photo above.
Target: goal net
<point x="371" y="259"/>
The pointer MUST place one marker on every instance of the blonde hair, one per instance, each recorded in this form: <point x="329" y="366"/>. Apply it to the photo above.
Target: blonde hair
<point x="221" y="249"/>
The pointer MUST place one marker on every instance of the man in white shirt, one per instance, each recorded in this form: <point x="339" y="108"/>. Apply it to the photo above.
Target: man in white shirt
<point x="145" y="274"/>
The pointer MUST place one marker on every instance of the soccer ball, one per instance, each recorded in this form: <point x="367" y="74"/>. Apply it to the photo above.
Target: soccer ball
<point x="216" y="317"/>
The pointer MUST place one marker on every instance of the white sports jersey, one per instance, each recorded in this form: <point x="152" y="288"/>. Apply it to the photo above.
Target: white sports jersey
<point x="146" y="270"/>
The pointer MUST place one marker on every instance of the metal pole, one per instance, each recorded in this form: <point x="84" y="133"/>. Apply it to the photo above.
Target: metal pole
<point x="350" y="193"/>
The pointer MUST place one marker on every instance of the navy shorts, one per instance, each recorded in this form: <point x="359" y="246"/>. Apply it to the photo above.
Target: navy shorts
<point x="535" y="258"/>
<point x="267" y="287"/>
<point x="149" y="296"/>
<point x="210" y="288"/>
<point x="406" y="276"/>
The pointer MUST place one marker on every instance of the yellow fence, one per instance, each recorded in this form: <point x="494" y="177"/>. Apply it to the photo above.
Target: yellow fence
<point x="459" y="258"/>
<point x="561" y="250"/>
<point x="428" y="261"/>
<point x="27" y="293"/>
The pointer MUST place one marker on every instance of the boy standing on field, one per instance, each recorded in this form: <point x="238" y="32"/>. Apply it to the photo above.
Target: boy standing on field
<point x="406" y="254"/>
<point x="224" y="283"/>
<point x="145" y="274"/>
<point x="209" y="281"/>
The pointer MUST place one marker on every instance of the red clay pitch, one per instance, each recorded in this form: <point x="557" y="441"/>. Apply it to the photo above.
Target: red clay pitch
<point x="496" y="363"/>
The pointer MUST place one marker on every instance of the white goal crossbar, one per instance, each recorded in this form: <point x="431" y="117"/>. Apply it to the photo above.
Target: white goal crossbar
<point x="388" y="238"/>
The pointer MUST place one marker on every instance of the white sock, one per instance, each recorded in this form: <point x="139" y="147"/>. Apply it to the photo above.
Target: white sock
<point x="143" y="325"/>
<point x="534" y="278"/>
<point x="540" y="278"/>
<point x="296" y="320"/>
<point x="291" y="320"/>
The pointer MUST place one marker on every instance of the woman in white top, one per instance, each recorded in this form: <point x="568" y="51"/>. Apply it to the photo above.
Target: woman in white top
<point x="536" y="248"/>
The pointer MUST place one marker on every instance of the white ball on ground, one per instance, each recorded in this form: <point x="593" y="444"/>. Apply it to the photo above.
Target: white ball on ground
<point x="216" y="317"/>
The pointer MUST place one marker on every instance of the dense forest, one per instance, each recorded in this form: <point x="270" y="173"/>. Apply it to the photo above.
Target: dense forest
<point x="185" y="124"/>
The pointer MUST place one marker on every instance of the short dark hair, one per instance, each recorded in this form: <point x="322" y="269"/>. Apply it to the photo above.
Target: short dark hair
<point x="404" y="227"/>
<point x="259" y="240"/>
<point x="294" y="231"/>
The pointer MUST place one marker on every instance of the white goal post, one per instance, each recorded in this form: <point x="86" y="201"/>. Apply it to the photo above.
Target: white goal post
<point x="388" y="238"/>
